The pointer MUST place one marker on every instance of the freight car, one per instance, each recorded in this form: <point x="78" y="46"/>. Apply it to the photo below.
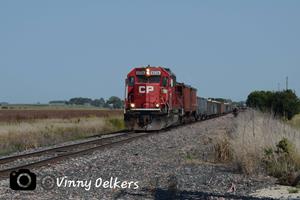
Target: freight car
<point x="155" y="100"/>
<point x="202" y="111"/>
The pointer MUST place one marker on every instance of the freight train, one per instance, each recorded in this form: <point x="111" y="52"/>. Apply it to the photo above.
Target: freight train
<point x="155" y="100"/>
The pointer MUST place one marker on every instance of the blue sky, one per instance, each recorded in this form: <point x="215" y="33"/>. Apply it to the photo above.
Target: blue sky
<point x="55" y="50"/>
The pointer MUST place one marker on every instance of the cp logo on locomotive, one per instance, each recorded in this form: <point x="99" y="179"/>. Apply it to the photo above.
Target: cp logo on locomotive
<point x="146" y="89"/>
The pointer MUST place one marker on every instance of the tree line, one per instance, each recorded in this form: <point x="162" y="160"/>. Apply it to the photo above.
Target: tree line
<point x="281" y="103"/>
<point x="112" y="102"/>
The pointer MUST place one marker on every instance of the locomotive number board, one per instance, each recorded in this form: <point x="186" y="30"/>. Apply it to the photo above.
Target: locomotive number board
<point x="153" y="73"/>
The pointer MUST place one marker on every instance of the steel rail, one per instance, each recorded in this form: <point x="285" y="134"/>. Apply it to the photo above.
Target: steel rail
<point x="4" y="173"/>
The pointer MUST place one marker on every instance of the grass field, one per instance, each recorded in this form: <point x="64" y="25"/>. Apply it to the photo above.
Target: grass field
<point x="31" y="128"/>
<point x="47" y="107"/>
<point x="295" y="122"/>
<point x="18" y="115"/>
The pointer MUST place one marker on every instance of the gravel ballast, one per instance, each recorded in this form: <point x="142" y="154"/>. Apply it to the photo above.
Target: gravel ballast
<point x="178" y="163"/>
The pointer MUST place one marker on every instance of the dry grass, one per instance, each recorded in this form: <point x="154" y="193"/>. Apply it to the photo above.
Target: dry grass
<point x="222" y="150"/>
<point x="293" y="190"/>
<point x="295" y="122"/>
<point x="19" y="115"/>
<point x="27" y="134"/>
<point x="253" y="133"/>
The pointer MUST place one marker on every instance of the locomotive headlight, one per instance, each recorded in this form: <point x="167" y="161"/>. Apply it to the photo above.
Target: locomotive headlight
<point x="147" y="71"/>
<point x="157" y="105"/>
<point x="132" y="105"/>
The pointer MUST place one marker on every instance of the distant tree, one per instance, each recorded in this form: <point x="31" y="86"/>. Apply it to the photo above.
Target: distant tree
<point x="240" y="103"/>
<point x="58" y="102"/>
<point x="80" y="101"/>
<point x="3" y="103"/>
<point x="116" y="102"/>
<point x="98" y="102"/>
<point x="112" y="102"/>
<point x="102" y="102"/>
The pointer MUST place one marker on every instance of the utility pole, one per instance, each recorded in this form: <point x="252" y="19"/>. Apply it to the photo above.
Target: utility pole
<point x="287" y="83"/>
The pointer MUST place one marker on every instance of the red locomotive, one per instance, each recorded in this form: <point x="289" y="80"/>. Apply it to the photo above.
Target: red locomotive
<point x="154" y="100"/>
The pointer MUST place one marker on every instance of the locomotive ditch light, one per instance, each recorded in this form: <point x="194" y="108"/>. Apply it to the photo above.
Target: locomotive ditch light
<point x="132" y="105"/>
<point x="157" y="105"/>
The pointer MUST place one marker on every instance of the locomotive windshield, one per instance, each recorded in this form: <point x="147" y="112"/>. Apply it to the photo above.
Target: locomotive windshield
<point x="148" y="79"/>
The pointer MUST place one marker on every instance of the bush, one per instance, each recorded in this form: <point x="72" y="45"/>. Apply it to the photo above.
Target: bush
<point x="282" y="103"/>
<point x="283" y="162"/>
<point x="261" y="100"/>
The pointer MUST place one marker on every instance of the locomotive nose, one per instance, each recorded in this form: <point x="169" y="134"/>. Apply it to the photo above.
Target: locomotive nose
<point x="147" y="96"/>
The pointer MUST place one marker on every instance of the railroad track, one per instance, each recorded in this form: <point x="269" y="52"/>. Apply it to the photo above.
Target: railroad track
<point x="51" y="155"/>
<point x="41" y="152"/>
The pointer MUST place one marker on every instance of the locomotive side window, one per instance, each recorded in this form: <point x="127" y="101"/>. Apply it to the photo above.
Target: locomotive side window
<point x="131" y="81"/>
<point x="165" y="81"/>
